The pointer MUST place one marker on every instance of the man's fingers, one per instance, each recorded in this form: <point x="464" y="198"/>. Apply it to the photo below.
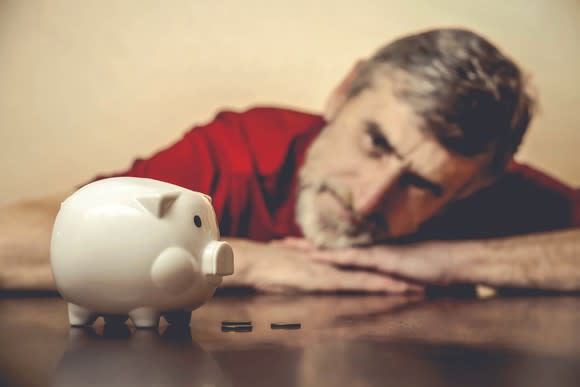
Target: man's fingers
<point x="360" y="281"/>
<point x="295" y="271"/>
<point x="387" y="262"/>
<point x="348" y="257"/>
<point x="384" y="264"/>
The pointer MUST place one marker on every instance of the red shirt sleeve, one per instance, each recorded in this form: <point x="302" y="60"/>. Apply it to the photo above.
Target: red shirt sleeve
<point x="246" y="162"/>
<point x="524" y="200"/>
<point x="190" y="162"/>
<point x="569" y="197"/>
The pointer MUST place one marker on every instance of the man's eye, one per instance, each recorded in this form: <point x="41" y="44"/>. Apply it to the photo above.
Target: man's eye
<point x="377" y="143"/>
<point x="410" y="179"/>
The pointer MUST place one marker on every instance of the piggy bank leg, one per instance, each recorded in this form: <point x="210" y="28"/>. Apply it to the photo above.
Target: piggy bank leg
<point x="145" y="317"/>
<point x="79" y="316"/>
<point x="178" y="317"/>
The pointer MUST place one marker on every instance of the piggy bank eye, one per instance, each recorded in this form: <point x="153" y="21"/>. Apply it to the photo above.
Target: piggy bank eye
<point x="197" y="220"/>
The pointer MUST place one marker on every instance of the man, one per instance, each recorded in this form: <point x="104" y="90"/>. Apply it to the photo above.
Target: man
<point x="409" y="177"/>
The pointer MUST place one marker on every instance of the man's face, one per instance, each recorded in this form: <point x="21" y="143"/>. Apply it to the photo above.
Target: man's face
<point x="373" y="174"/>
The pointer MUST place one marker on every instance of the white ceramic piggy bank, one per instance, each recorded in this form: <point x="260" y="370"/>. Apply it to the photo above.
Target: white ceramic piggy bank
<point x="137" y="247"/>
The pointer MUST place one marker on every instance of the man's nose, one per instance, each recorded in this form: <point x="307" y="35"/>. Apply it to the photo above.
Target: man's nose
<point x="373" y="190"/>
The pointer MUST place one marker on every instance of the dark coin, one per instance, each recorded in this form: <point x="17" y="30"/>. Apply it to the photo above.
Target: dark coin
<point x="237" y="328"/>
<point x="285" y="325"/>
<point x="233" y="323"/>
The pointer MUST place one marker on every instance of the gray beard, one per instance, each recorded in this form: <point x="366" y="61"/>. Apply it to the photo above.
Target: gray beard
<point x="328" y="231"/>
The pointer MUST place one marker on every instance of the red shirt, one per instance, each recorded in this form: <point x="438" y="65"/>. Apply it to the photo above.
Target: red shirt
<point x="248" y="162"/>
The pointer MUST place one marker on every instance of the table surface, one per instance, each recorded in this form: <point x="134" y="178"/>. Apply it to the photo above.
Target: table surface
<point x="344" y="341"/>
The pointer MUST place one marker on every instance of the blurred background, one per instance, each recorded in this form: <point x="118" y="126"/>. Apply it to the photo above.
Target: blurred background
<point x="87" y="86"/>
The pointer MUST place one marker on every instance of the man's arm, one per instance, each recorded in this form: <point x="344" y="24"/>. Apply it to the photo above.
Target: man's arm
<point x="26" y="228"/>
<point x="549" y="261"/>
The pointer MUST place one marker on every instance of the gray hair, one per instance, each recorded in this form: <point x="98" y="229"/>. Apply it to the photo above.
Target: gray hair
<point x="471" y="97"/>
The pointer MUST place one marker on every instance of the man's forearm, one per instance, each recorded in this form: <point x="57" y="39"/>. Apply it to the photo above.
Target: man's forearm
<point x="25" y="230"/>
<point x="548" y="261"/>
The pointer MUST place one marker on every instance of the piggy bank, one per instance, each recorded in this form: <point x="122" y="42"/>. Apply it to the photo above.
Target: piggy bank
<point x="137" y="247"/>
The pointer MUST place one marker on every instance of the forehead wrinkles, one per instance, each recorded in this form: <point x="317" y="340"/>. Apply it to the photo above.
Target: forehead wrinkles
<point x="399" y="122"/>
<point x="406" y="131"/>
<point x="424" y="153"/>
<point x="410" y="150"/>
<point x="433" y="161"/>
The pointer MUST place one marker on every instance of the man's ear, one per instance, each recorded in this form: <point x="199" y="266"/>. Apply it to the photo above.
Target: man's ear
<point x="338" y="96"/>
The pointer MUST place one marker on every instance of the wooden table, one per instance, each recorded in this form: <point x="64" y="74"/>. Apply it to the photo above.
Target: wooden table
<point x="344" y="341"/>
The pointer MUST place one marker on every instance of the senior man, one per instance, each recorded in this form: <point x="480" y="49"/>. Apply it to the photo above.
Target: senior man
<point x="407" y="180"/>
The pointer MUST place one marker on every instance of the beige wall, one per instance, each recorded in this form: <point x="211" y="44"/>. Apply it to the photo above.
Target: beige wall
<point x="86" y="86"/>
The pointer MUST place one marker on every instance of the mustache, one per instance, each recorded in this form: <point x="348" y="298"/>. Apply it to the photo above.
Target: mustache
<point x="344" y="197"/>
<point x="346" y="200"/>
<point x="372" y="225"/>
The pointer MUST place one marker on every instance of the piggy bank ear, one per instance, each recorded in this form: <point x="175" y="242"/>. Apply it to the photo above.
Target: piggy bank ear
<point x="207" y="197"/>
<point x="158" y="204"/>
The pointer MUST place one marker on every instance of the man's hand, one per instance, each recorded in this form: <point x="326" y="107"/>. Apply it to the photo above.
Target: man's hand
<point x="279" y="267"/>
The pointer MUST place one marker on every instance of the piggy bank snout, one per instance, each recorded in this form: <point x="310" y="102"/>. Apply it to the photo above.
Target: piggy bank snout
<point x="218" y="259"/>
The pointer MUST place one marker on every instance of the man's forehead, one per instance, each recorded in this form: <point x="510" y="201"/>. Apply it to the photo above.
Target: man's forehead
<point x="405" y="131"/>
<point x="432" y="160"/>
<point x="379" y="105"/>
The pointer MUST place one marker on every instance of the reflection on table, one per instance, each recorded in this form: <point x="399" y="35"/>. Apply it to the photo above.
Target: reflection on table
<point x="344" y="341"/>
<point x="113" y="355"/>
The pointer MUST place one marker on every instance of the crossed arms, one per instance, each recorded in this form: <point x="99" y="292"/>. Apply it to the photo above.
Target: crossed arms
<point x="549" y="261"/>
